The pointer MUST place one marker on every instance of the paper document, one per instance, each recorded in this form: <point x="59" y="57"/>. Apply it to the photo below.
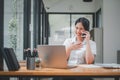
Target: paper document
<point x="109" y="65"/>
<point x="90" y="66"/>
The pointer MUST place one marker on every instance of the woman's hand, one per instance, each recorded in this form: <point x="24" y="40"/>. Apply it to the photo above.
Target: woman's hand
<point x="75" y="46"/>
<point x="87" y="35"/>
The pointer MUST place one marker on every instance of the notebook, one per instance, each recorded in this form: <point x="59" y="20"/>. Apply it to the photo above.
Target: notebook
<point x="109" y="65"/>
<point x="10" y="58"/>
<point x="53" y="56"/>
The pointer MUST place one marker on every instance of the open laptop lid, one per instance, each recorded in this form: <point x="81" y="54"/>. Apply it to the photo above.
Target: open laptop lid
<point x="53" y="56"/>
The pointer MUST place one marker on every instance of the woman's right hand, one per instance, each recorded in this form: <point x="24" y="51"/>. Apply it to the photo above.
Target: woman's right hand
<point x="75" y="46"/>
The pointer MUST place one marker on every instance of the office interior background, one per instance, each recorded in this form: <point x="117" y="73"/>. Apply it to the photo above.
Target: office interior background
<point x="28" y="23"/>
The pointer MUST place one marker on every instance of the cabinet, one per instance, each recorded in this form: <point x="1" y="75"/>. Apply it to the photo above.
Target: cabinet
<point x="118" y="57"/>
<point x="97" y="36"/>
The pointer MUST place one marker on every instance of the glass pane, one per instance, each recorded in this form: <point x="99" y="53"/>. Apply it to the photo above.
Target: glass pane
<point x="13" y="26"/>
<point x="59" y="28"/>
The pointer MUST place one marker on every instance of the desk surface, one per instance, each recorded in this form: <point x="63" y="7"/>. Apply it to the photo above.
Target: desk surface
<point x="81" y="70"/>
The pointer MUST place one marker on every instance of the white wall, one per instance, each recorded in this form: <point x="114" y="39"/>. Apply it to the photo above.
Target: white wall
<point x="98" y="4"/>
<point x="69" y="6"/>
<point x="111" y="27"/>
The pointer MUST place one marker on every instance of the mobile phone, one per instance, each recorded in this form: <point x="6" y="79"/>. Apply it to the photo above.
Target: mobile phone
<point x="83" y="35"/>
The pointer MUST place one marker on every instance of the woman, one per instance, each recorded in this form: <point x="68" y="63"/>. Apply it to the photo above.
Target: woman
<point x="80" y="49"/>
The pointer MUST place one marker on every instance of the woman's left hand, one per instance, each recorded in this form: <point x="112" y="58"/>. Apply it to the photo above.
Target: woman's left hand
<point x="87" y="37"/>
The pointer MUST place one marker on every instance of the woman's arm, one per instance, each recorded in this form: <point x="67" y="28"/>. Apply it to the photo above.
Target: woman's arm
<point x="89" y="56"/>
<point x="68" y="50"/>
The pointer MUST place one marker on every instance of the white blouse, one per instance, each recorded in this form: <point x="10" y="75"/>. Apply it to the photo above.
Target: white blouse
<point x="78" y="56"/>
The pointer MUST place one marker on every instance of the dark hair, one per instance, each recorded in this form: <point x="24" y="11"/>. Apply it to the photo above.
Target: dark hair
<point x="84" y="21"/>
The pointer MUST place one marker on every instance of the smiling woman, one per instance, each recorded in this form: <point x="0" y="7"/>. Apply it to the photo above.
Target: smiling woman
<point x="80" y="50"/>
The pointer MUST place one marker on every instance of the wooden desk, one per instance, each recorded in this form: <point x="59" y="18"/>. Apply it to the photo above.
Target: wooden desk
<point x="80" y="71"/>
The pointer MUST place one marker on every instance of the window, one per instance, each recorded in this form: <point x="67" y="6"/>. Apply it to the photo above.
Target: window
<point x="62" y="26"/>
<point x="13" y="26"/>
<point x="59" y="28"/>
<point x="98" y="19"/>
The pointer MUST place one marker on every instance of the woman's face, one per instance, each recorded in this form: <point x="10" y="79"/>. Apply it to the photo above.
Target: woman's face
<point x="79" y="29"/>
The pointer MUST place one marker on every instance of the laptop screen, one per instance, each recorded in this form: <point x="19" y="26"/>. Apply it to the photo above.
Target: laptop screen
<point x="52" y="56"/>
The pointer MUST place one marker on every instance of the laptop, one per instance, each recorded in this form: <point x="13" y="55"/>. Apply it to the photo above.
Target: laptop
<point x="53" y="56"/>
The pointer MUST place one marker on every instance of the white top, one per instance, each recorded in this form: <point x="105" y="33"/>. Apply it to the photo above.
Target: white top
<point x="78" y="56"/>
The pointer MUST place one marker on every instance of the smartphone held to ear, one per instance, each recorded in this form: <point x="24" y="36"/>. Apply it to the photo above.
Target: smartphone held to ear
<point x="83" y="35"/>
